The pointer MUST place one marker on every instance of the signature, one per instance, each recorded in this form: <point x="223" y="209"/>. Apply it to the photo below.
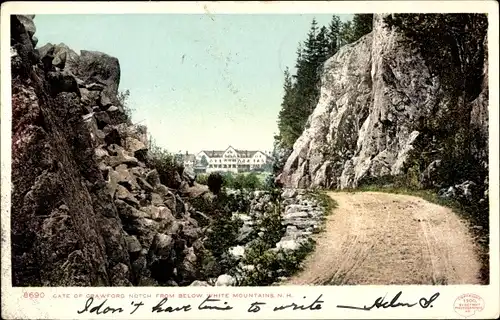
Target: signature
<point x="380" y="302"/>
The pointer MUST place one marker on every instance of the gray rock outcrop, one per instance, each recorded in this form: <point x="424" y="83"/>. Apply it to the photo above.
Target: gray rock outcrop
<point x="378" y="99"/>
<point x="86" y="208"/>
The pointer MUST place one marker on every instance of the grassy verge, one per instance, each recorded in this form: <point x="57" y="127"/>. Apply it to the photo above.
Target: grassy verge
<point x="324" y="200"/>
<point x="473" y="214"/>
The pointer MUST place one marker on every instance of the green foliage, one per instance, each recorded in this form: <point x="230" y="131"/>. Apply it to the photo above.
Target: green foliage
<point x="271" y="225"/>
<point x="215" y="182"/>
<point x="361" y="24"/>
<point x="202" y="179"/>
<point x="453" y="47"/>
<point x="334" y="35"/>
<point x="234" y="202"/>
<point x="204" y="161"/>
<point x="325" y="201"/>
<point x="208" y="265"/>
<point x="123" y="101"/>
<point x="271" y="264"/>
<point x="223" y="233"/>
<point x="346" y="33"/>
<point x="242" y="181"/>
<point x="164" y="162"/>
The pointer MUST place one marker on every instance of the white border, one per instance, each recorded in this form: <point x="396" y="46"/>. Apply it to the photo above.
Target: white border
<point x="15" y="306"/>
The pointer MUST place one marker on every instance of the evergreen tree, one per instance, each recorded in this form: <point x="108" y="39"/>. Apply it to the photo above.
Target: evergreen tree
<point x="346" y="33"/>
<point x="322" y="46"/>
<point x="334" y="35"/>
<point x="361" y="24"/>
<point x="286" y="114"/>
<point x="301" y="91"/>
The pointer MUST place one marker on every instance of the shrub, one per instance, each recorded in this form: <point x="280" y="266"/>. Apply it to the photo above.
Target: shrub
<point x="223" y="233"/>
<point x="242" y="181"/>
<point x="234" y="202"/>
<point x="215" y="182"/>
<point x="202" y="179"/>
<point x="164" y="162"/>
<point x="123" y="101"/>
<point x="271" y="264"/>
<point x="271" y="224"/>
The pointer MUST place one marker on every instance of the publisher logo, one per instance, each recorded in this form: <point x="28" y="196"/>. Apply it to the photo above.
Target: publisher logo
<point x="468" y="304"/>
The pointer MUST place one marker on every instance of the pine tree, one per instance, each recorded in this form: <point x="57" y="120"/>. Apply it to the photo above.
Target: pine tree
<point x="287" y="116"/>
<point x="346" y="33"/>
<point x="300" y="96"/>
<point x="311" y="44"/>
<point x="361" y="24"/>
<point x="334" y="35"/>
<point x="322" y="46"/>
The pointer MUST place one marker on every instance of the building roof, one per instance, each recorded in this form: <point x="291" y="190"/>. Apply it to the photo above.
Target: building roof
<point x="213" y="153"/>
<point x="241" y="153"/>
<point x="246" y="153"/>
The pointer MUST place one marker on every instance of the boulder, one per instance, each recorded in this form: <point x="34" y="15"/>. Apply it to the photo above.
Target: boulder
<point x="238" y="252"/>
<point x="126" y="178"/>
<point x="113" y="137"/>
<point x="127" y="211"/>
<point x="225" y="280"/>
<point x="189" y="175"/>
<point x="122" y="158"/>
<point x="158" y="213"/>
<point x="102" y="119"/>
<point x="156" y="199"/>
<point x="98" y="67"/>
<point x="133" y="244"/>
<point x="379" y="99"/>
<point x="198" y="283"/>
<point x="153" y="178"/>
<point x="162" y="246"/>
<point x="123" y="194"/>
<point x="133" y="145"/>
<point x="144" y="184"/>
<point x="188" y="268"/>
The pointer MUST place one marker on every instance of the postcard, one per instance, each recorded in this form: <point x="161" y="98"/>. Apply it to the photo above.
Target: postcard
<point x="227" y="160"/>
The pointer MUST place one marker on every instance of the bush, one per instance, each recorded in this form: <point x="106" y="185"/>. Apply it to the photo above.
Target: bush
<point x="202" y="179"/>
<point x="271" y="264"/>
<point x="271" y="224"/>
<point x="242" y="181"/>
<point x="215" y="182"/>
<point x="123" y="101"/>
<point x="234" y="202"/>
<point x="223" y="234"/>
<point x="164" y="162"/>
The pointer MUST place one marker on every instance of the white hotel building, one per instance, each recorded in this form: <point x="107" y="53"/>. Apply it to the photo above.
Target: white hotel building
<point x="233" y="160"/>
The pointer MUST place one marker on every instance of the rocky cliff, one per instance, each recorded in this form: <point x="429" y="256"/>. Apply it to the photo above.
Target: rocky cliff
<point x="87" y="209"/>
<point x="386" y="106"/>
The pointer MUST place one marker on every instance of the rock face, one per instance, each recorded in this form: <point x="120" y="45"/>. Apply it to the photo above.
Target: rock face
<point x="86" y="209"/>
<point x="377" y="94"/>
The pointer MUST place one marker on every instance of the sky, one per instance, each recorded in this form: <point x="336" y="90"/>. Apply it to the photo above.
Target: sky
<point x="197" y="81"/>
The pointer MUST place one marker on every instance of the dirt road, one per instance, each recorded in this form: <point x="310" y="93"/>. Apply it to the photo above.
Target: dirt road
<point x="381" y="238"/>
